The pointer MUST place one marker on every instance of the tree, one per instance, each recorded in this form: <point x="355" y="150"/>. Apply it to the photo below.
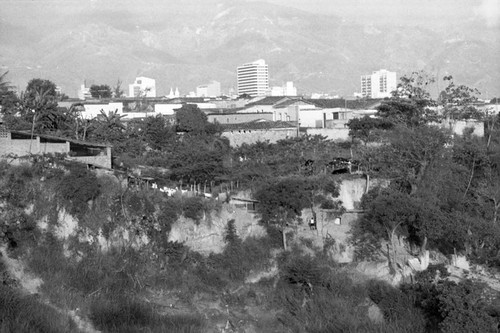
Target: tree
<point x="8" y="98"/>
<point x="406" y="112"/>
<point x="450" y="306"/>
<point x="458" y="100"/>
<point x="411" y="103"/>
<point x="110" y="128"/>
<point x="414" y="86"/>
<point x="100" y="91"/>
<point x="489" y="189"/>
<point x="46" y="86"/>
<point x="195" y="159"/>
<point x="39" y="107"/>
<point x="281" y="202"/>
<point x="191" y="119"/>
<point x="365" y="128"/>
<point x="408" y="154"/>
<point x="117" y="89"/>
<point x="158" y="133"/>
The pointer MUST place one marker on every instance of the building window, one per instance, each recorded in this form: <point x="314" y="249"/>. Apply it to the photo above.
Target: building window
<point x="335" y="115"/>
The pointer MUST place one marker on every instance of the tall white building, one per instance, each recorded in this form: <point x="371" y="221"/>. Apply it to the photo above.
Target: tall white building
<point x="253" y="78"/>
<point x="84" y="92"/>
<point x="143" y="87"/>
<point x="208" y="90"/>
<point x="379" y="84"/>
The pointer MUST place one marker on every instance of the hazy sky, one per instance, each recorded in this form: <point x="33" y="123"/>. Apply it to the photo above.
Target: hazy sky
<point x="430" y="13"/>
<point x="48" y="24"/>
<point x="390" y="11"/>
<point x="404" y="11"/>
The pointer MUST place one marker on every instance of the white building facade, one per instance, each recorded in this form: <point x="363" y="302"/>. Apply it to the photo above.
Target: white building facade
<point x="286" y="90"/>
<point x="142" y="87"/>
<point x="253" y="78"/>
<point x="208" y="90"/>
<point x="379" y="84"/>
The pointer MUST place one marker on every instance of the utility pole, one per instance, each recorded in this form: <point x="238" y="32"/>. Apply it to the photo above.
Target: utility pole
<point x="32" y="128"/>
<point x="298" y="124"/>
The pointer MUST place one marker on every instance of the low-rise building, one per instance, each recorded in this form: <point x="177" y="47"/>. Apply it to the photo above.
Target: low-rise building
<point x="238" y="118"/>
<point x="20" y="144"/>
<point x="259" y="130"/>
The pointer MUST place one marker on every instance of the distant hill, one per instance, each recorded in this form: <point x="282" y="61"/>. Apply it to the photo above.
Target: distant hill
<point x="184" y="44"/>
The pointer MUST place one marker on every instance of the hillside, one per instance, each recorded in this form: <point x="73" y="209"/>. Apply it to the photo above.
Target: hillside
<point x="185" y="44"/>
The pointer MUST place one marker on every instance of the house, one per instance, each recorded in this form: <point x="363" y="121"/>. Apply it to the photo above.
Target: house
<point x="259" y="130"/>
<point x="263" y="104"/>
<point x="18" y="143"/>
<point x="308" y="114"/>
<point x="237" y="118"/>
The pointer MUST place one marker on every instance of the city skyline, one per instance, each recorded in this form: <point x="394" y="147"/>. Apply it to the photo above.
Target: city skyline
<point x="323" y="47"/>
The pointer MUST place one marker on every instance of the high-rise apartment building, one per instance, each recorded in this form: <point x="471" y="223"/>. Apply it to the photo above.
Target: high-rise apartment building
<point x="253" y="78"/>
<point x="379" y="84"/>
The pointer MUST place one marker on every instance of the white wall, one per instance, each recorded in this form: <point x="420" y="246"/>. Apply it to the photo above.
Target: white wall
<point x="166" y="109"/>
<point x="93" y="110"/>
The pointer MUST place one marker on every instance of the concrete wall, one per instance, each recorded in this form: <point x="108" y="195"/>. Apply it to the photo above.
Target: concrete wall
<point x="238" y="118"/>
<point x="51" y="148"/>
<point x="22" y="148"/>
<point x="238" y="137"/>
<point x="18" y="147"/>
<point x="102" y="161"/>
<point x="166" y="109"/>
<point x="336" y="134"/>
<point x="309" y="116"/>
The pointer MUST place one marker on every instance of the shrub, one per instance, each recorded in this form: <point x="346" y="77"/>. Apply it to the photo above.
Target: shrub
<point x="130" y="315"/>
<point x="452" y="307"/>
<point x="396" y="307"/>
<point x="464" y="309"/>
<point x="77" y="188"/>
<point x="193" y="208"/>
<point x="169" y="213"/>
<point x="315" y="298"/>
<point x="26" y="314"/>
<point x="15" y="186"/>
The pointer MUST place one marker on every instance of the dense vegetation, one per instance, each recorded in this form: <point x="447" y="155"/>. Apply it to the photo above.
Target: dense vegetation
<point x="442" y="194"/>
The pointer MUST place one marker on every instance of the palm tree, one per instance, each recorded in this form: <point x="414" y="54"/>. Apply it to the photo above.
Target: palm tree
<point x="109" y="127"/>
<point x="4" y="84"/>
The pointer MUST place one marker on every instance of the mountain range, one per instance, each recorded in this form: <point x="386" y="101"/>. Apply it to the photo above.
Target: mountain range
<point x="186" y="43"/>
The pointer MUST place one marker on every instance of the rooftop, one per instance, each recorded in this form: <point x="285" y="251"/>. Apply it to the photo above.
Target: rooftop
<point x="345" y="103"/>
<point x="268" y="100"/>
<point x="58" y="138"/>
<point x="288" y="102"/>
<point x="258" y="124"/>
